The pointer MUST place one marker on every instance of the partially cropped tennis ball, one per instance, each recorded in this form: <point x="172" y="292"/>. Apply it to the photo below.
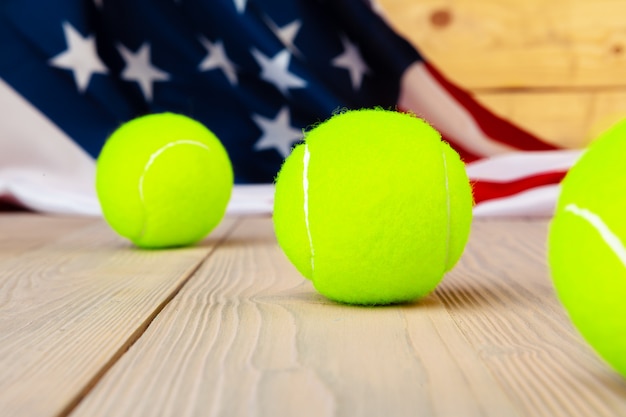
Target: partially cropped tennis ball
<point x="587" y="239"/>
<point x="163" y="180"/>
<point x="373" y="207"/>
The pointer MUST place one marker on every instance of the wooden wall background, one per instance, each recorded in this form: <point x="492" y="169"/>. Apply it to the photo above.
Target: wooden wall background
<point x="554" y="67"/>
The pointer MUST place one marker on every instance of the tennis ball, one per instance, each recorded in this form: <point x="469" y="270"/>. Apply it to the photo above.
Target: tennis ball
<point x="163" y="180"/>
<point x="373" y="207"/>
<point x="586" y="252"/>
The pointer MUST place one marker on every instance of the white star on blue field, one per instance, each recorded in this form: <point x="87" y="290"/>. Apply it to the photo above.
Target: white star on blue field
<point x="257" y="73"/>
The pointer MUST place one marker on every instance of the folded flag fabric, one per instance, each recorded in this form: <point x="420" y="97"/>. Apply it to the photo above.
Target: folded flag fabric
<point x="256" y="72"/>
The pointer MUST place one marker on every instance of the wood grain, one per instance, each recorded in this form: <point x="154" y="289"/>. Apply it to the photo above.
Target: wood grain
<point x="555" y="68"/>
<point x="520" y="330"/>
<point x="508" y="43"/>
<point x="248" y="336"/>
<point x="70" y="306"/>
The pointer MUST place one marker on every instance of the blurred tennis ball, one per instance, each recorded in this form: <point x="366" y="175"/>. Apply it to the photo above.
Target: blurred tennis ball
<point x="586" y="250"/>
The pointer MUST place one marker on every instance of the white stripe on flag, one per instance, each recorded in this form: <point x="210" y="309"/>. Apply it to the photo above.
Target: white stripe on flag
<point x="518" y="165"/>
<point x="535" y="202"/>
<point x="40" y="165"/>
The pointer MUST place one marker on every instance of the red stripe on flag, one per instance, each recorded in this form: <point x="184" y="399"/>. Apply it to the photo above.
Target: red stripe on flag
<point x="490" y="190"/>
<point x="494" y="126"/>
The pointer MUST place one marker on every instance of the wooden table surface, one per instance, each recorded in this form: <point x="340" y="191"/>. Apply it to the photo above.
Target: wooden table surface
<point x="90" y="326"/>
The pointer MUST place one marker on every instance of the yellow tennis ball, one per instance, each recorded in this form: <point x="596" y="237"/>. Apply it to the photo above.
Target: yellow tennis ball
<point x="373" y="207"/>
<point x="163" y="180"/>
<point x="586" y="250"/>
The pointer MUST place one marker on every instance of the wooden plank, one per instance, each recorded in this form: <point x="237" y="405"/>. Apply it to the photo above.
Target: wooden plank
<point x="553" y="68"/>
<point x="509" y="43"/>
<point x="248" y="336"/>
<point x="519" y="329"/>
<point x="69" y="308"/>
<point x="23" y="231"/>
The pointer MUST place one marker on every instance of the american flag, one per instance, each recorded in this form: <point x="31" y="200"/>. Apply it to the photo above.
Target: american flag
<point x="256" y="72"/>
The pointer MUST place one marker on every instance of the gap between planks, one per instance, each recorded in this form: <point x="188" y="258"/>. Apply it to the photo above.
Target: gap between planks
<point x="136" y="335"/>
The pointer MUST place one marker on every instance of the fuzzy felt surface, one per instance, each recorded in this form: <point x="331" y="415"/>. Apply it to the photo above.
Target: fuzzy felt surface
<point x="586" y="250"/>
<point x="374" y="208"/>
<point x="163" y="180"/>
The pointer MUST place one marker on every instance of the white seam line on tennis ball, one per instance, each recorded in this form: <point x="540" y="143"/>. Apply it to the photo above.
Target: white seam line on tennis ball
<point x="150" y="162"/>
<point x="445" y="168"/>
<point x="605" y="232"/>
<point x="305" y="188"/>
